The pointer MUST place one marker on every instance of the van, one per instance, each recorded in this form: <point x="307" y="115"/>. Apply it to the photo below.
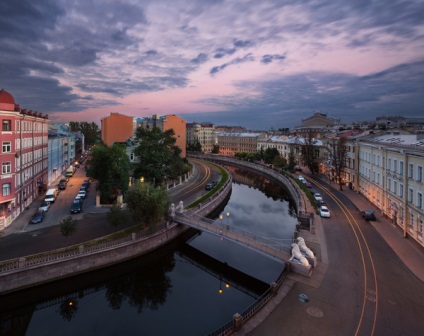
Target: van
<point x="51" y="195"/>
<point x="69" y="172"/>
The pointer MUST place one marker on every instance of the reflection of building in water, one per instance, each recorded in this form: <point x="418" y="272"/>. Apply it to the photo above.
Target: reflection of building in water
<point x="12" y="324"/>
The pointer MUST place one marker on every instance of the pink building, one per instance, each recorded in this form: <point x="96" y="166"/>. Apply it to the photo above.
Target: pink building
<point x="23" y="157"/>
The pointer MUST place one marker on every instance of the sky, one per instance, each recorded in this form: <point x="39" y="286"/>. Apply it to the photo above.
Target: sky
<point x="259" y="64"/>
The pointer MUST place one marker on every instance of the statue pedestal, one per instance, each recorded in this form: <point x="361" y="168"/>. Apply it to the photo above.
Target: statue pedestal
<point x="312" y="261"/>
<point x="300" y="269"/>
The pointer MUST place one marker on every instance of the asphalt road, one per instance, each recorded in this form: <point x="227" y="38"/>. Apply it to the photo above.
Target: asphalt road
<point x="366" y="290"/>
<point x="36" y="238"/>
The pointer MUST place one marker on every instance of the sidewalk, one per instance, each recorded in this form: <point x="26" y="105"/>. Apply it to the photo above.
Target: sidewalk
<point x="408" y="250"/>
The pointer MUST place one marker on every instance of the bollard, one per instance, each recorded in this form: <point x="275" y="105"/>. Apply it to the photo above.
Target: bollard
<point x="237" y="321"/>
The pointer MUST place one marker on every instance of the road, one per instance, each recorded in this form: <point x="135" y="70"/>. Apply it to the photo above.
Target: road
<point x="366" y="290"/>
<point x="36" y="238"/>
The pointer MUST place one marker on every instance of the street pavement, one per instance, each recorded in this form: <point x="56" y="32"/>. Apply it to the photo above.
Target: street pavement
<point x="267" y="321"/>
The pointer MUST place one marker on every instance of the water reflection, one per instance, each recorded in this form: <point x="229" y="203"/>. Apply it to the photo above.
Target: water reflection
<point x="165" y="293"/>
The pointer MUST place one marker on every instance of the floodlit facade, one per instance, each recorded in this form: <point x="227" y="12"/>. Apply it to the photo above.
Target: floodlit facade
<point x="23" y="157"/>
<point x="231" y="143"/>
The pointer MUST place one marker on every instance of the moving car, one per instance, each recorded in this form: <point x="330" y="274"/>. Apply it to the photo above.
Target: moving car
<point x="317" y="197"/>
<point x="308" y="185"/>
<point x="62" y="184"/>
<point x="209" y="186"/>
<point x="324" y="212"/>
<point x="368" y="215"/>
<point x="76" y="206"/>
<point x="44" y="206"/>
<point x="37" y="217"/>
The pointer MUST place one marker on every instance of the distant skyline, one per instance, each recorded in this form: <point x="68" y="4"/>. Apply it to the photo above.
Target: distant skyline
<point x="257" y="64"/>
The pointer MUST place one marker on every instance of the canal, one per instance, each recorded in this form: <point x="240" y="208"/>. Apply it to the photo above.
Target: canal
<point x="190" y="288"/>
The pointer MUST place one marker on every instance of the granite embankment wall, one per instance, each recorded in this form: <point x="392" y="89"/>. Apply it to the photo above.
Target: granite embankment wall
<point x="18" y="274"/>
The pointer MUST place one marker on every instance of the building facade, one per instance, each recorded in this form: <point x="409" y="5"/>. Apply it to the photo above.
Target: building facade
<point x="24" y="157"/>
<point x="391" y="177"/>
<point x="231" y="143"/>
<point x="117" y="128"/>
<point x="203" y="133"/>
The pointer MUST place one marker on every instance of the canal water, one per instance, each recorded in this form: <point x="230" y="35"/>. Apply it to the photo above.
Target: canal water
<point x="189" y="288"/>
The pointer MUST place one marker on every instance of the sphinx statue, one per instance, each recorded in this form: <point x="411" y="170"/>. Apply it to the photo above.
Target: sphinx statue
<point x="296" y="254"/>
<point x="303" y="248"/>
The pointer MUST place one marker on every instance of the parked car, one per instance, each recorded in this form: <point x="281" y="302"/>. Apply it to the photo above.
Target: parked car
<point x="368" y="215"/>
<point x="44" y="206"/>
<point x="324" y="212"/>
<point x="76" y="206"/>
<point x="82" y="194"/>
<point x="209" y="186"/>
<point x="62" y="184"/>
<point x="317" y="197"/>
<point x="37" y="217"/>
<point x="308" y="185"/>
<point x="85" y="185"/>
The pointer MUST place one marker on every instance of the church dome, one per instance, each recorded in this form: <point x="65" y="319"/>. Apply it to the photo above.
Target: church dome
<point x="7" y="102"/>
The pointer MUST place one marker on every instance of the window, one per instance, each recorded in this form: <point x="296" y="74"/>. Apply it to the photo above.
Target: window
<point x="401" y="167"/>
<point x="395" y="166"/>
<point x="410" y="196"/>
<point x="411" y="171"/>
<point x="6" y="168"/>
<point x="389" y="164"/>
<point x="419" y="174"/>
<point x="389" y="184"/>
<point x="6" y="189"/>
<point x="7" y="147"/>
<point x="419" y="200"/>
<point x="394" y="187"/>
<point x="7" y="125"/>
<point x="401" y="190"/>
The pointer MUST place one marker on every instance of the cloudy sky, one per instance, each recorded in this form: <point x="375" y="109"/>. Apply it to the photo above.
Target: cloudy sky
<point x="258" y="64"/>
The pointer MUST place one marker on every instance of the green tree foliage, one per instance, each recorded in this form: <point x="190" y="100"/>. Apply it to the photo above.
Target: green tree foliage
<point x="159" y="156"/>
<point x="110" y="166"/>
<point x="68" y="226"/>
<point x="310" y="154"/>
<point x="147" y="203"/>
<point x="117" y="216"/>
<point x="215" y="149"/>
<point x="279" y="161"/>
<point x="292" y="163"/>
<point x="270" y="154"/>
<point x="195" y="148"/>
<point x="90" y="131"/>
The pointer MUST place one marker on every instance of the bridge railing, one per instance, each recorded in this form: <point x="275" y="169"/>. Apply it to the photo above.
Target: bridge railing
<point x="246" y="238"/>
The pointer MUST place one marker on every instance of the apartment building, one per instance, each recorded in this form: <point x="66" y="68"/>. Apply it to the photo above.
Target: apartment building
<point x="117" y="128"/>
<point x="23" y="157"/>
<point x="391" y="177"/>
<point x="231" y="143"/>
<point x="203" y="133"/>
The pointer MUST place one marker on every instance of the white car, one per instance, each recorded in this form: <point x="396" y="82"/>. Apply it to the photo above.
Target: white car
<point x="318" y="197"/>
<point x="44" y="206"/>
<point x="81" y="194"/>
<point x="324" y="212"/>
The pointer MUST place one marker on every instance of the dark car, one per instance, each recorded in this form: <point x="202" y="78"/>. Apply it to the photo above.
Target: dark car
<point x="62" y="184"/>
<point x="368" y="215"/>
<point x="76" y="207"/>
<point x="37" y="217"/>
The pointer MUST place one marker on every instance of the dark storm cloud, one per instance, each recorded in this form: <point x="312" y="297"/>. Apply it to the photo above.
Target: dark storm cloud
<point x="342" y="96"/>
<point x="238" y="60"/>
<point x="269" y="58"/>
<point x="201" y="58"/>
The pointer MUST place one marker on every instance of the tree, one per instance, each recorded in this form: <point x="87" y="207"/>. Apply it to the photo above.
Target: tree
<point x="110" y="166"/>
<point x="159" y="156"/>
<point x="215" y="149"/>
<point x="310" y="153"/>
<point x="337" y="151"/>
<point x="147" y="203"/>
<point x="117" y="216"/>
<point x="270" y="154"/>
<point x="292" y="163"/>
<point x="90" y="131"/>
<point x="68" y="226"/>
<point x="279" y="161"/>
